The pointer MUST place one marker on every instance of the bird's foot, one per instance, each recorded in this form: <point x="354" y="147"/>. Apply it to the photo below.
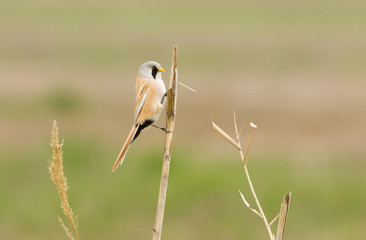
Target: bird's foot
<point x="163" y="129"/>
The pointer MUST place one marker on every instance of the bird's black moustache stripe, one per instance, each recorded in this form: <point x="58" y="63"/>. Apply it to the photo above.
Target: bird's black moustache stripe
<point x="154" y="71"/>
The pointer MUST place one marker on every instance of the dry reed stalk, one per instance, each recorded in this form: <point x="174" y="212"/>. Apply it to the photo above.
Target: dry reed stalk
<point x="244" y="157"/>
<point x="283" y="216"/>
<point x="170" y="122"/>
<point x="56" y="171"/>
<point x="226" y="136"/>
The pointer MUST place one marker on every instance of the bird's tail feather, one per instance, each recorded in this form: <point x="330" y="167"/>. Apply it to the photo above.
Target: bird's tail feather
<point x="125" y="147"/>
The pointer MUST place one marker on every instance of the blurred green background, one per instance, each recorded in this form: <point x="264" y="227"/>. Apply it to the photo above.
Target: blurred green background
<point x="295" y="68"/>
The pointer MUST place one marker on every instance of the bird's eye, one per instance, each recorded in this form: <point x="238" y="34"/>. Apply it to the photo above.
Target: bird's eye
<point x="154" y="71"/>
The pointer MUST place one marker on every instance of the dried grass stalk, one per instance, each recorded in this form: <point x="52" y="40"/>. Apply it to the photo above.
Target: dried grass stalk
<point x="225" y="135"/>
<point x="248" y="206"/>
<point x="170" y="122"/>
<point x="274" y="219"/>
<point x="56" y="171"/>
<point x="244" y="157"/>
<point x="283" y="216"/>
<point x="189" y="88"/>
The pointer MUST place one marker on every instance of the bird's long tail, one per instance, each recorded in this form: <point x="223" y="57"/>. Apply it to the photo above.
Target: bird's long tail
<point x="125" y="147"/>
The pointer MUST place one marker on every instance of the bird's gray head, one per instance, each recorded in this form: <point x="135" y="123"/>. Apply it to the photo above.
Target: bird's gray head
<point x="151" y="69"/>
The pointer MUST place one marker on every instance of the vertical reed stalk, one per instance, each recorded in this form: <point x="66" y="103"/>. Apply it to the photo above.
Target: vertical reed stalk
<point x="170" y="122"/>
<point x="283" y="216"/>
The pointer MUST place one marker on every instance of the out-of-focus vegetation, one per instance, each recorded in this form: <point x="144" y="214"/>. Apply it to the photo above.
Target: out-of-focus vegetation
<point x="296" y="69"/>
<point x="202" y="195"/>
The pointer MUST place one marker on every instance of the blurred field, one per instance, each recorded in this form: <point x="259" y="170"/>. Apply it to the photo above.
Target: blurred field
<point x="296" y="69"/>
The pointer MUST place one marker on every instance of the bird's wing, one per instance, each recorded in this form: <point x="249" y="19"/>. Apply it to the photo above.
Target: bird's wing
<point x="141" y="100"/>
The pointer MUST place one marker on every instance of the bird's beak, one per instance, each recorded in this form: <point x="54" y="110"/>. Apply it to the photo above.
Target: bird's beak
<point x="161" y="70"/>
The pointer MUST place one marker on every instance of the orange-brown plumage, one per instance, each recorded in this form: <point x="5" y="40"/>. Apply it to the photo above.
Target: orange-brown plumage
<point x="152" y="106"/>
<point x="125" y="147"/>
<point x="150" y="94"/>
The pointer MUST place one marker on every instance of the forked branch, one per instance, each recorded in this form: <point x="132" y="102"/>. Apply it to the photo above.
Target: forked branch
<point x="244" y="157"/>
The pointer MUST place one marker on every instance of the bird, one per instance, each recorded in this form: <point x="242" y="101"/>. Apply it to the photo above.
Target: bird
<point x="150" y="98"/>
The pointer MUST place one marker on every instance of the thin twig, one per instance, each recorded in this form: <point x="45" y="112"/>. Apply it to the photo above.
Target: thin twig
<point x="187" y="87"/>
<point x="274" y="219"/>
<point x="244" y="160"/>
<point x="258" y="203"/>
<point x="241" y="128"/>
<point x="244" y="157"/>
<point x="226" y="136"/>
<point x="170" y="122"/>
<point x="248" y="206"/>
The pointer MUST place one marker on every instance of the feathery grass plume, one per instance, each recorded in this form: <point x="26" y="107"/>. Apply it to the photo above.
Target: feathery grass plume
<point x="56" y="171"/>
<point x="66" y="229"/>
